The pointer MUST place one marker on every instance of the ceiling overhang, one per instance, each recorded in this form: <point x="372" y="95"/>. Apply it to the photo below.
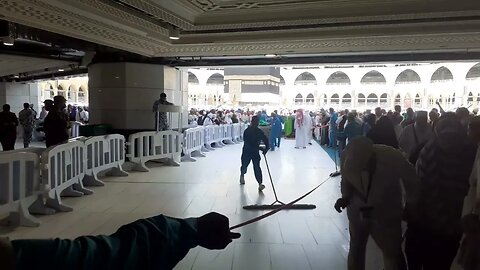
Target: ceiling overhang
<point x="230" y="27"/>
<point x="15" y="64"/>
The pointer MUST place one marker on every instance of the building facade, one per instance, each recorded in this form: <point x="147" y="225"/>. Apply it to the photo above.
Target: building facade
<point x="416" y="85"/>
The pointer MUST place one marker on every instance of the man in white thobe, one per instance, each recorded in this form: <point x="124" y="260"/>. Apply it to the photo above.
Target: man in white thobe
<point x="300" y="130"/>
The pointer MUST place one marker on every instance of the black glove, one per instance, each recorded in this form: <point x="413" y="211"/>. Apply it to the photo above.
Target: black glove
<point x="214" y="231"/>
<point x="341" y="203"/>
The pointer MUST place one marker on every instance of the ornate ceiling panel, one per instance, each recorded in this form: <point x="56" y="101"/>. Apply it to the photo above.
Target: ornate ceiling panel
<point x="225" y="27"/>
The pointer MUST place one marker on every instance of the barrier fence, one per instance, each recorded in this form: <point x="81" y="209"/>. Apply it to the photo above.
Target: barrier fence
<point x="147" y="146"/>
<point x="104" y="153"/>
<point x="36" y="178"/>
<point x="63" y="169"/>
<point x="193" y="143"/>
<point x="19" y="187"/>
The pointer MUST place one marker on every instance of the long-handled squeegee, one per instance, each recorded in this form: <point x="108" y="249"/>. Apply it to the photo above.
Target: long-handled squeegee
<point x="277" y="203"/>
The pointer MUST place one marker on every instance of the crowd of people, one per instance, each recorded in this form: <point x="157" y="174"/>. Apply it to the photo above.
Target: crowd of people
<point x="415" y="167"/>
<point x="418" y="167"/>
<point x="54" y="128"/>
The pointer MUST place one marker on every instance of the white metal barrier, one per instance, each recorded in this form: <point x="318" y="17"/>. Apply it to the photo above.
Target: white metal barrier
<point x="236" y="134"/>
<point x="218" y="136"/>
<point x="63" y="168"/>
<point x="227" y="137"/>
<point x="19" y="187"/>
<point x="104" y="153"/>
<point x="193" y="143"/>
<point x="151" y="145"/>
<point x="209" y="137"/>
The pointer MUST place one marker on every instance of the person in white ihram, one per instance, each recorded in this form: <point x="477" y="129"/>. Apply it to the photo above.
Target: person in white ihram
<point x="372" y="180"/>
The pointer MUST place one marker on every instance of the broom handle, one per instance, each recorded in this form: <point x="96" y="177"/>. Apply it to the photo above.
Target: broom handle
<point x="270" y="175"/>
<point x="253" y="220"/>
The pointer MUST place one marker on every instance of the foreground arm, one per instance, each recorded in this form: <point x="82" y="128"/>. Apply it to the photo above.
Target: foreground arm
<point x="158" y="242"/>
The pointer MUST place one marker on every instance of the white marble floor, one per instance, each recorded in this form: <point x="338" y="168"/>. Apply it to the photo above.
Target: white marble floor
<point x="294" y="239"/>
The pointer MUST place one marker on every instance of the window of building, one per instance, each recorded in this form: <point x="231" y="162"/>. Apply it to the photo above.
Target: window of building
<point x="361" y="100"/>
<point x="346" y="99"/>
<point x="418" y="101"/>
<point x="306" y="78"/>
<point x="298" y="99"/>
<point x="310" y="99"/>
<point x="398" y="100"/>
<point x="335" y="99"/>
<point x="384" y="100"/>
<point x="372" y="100"/>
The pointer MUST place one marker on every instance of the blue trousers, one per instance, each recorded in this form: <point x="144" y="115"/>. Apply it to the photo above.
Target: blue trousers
<point x="255" y="159"/>
<point x="332" y="138"/>
<point x="275" y="142"/>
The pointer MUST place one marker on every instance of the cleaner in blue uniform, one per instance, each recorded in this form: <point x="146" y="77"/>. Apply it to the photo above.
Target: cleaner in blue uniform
<point x="252" y="137"/>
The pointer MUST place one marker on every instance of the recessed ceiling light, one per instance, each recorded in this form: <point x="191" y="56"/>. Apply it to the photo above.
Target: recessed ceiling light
<point x="271" y="55"/>
<point x="174" y="33"/>
<point x="61" y="69"/>
<point x="8" y="41"/>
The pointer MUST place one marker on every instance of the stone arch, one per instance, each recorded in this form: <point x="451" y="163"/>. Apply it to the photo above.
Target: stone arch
<point x="470" y="98"/>
<point x="372" y="99"/>
<point x="346" y="99"/>
<point x="62" y="91"/>
<point x="48" y="91"/>
<point x="408" y="76"/>
<point x="305" y="78"/>
<point x="407" y="101"/>
<point x="192" y="78"/>
<point x="72" y="94"/>
<point x="361" y="99"/>
<point x="338" y="77"/>
<point x="82" y="94"/>
<point x="325" y="99"/>
<point x="335" y="99"/>
<point x="474" y="72"/>
<point x="384" y="100"/>
<point x="441" y="74"/>
<point x="310" y="100"/>
<point x="373" y="77"/>
<point x="418" y="100"/>
<point x="298" y="99"/>
<point x="397" y="100"/>
<point x="215" y="79"/>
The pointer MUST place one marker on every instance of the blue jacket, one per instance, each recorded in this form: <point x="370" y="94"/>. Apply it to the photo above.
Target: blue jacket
<point x="276" y="127"/>
<point x="333" y="121"/>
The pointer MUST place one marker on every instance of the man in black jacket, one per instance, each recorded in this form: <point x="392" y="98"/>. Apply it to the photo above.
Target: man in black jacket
<point x="252" y="137"/>
<point x="56" y="123"/>
<point x="8" y="128"/>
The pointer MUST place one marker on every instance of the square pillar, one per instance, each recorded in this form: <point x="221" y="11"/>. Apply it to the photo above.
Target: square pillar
<point x="122" y="94"/>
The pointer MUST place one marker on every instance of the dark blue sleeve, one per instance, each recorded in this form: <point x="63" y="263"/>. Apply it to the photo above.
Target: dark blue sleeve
<point x="158" y="242"/>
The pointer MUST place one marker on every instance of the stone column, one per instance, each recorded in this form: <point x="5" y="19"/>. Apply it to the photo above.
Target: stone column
<point x="15" y="94"/>
<point x="122" y="94"/>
